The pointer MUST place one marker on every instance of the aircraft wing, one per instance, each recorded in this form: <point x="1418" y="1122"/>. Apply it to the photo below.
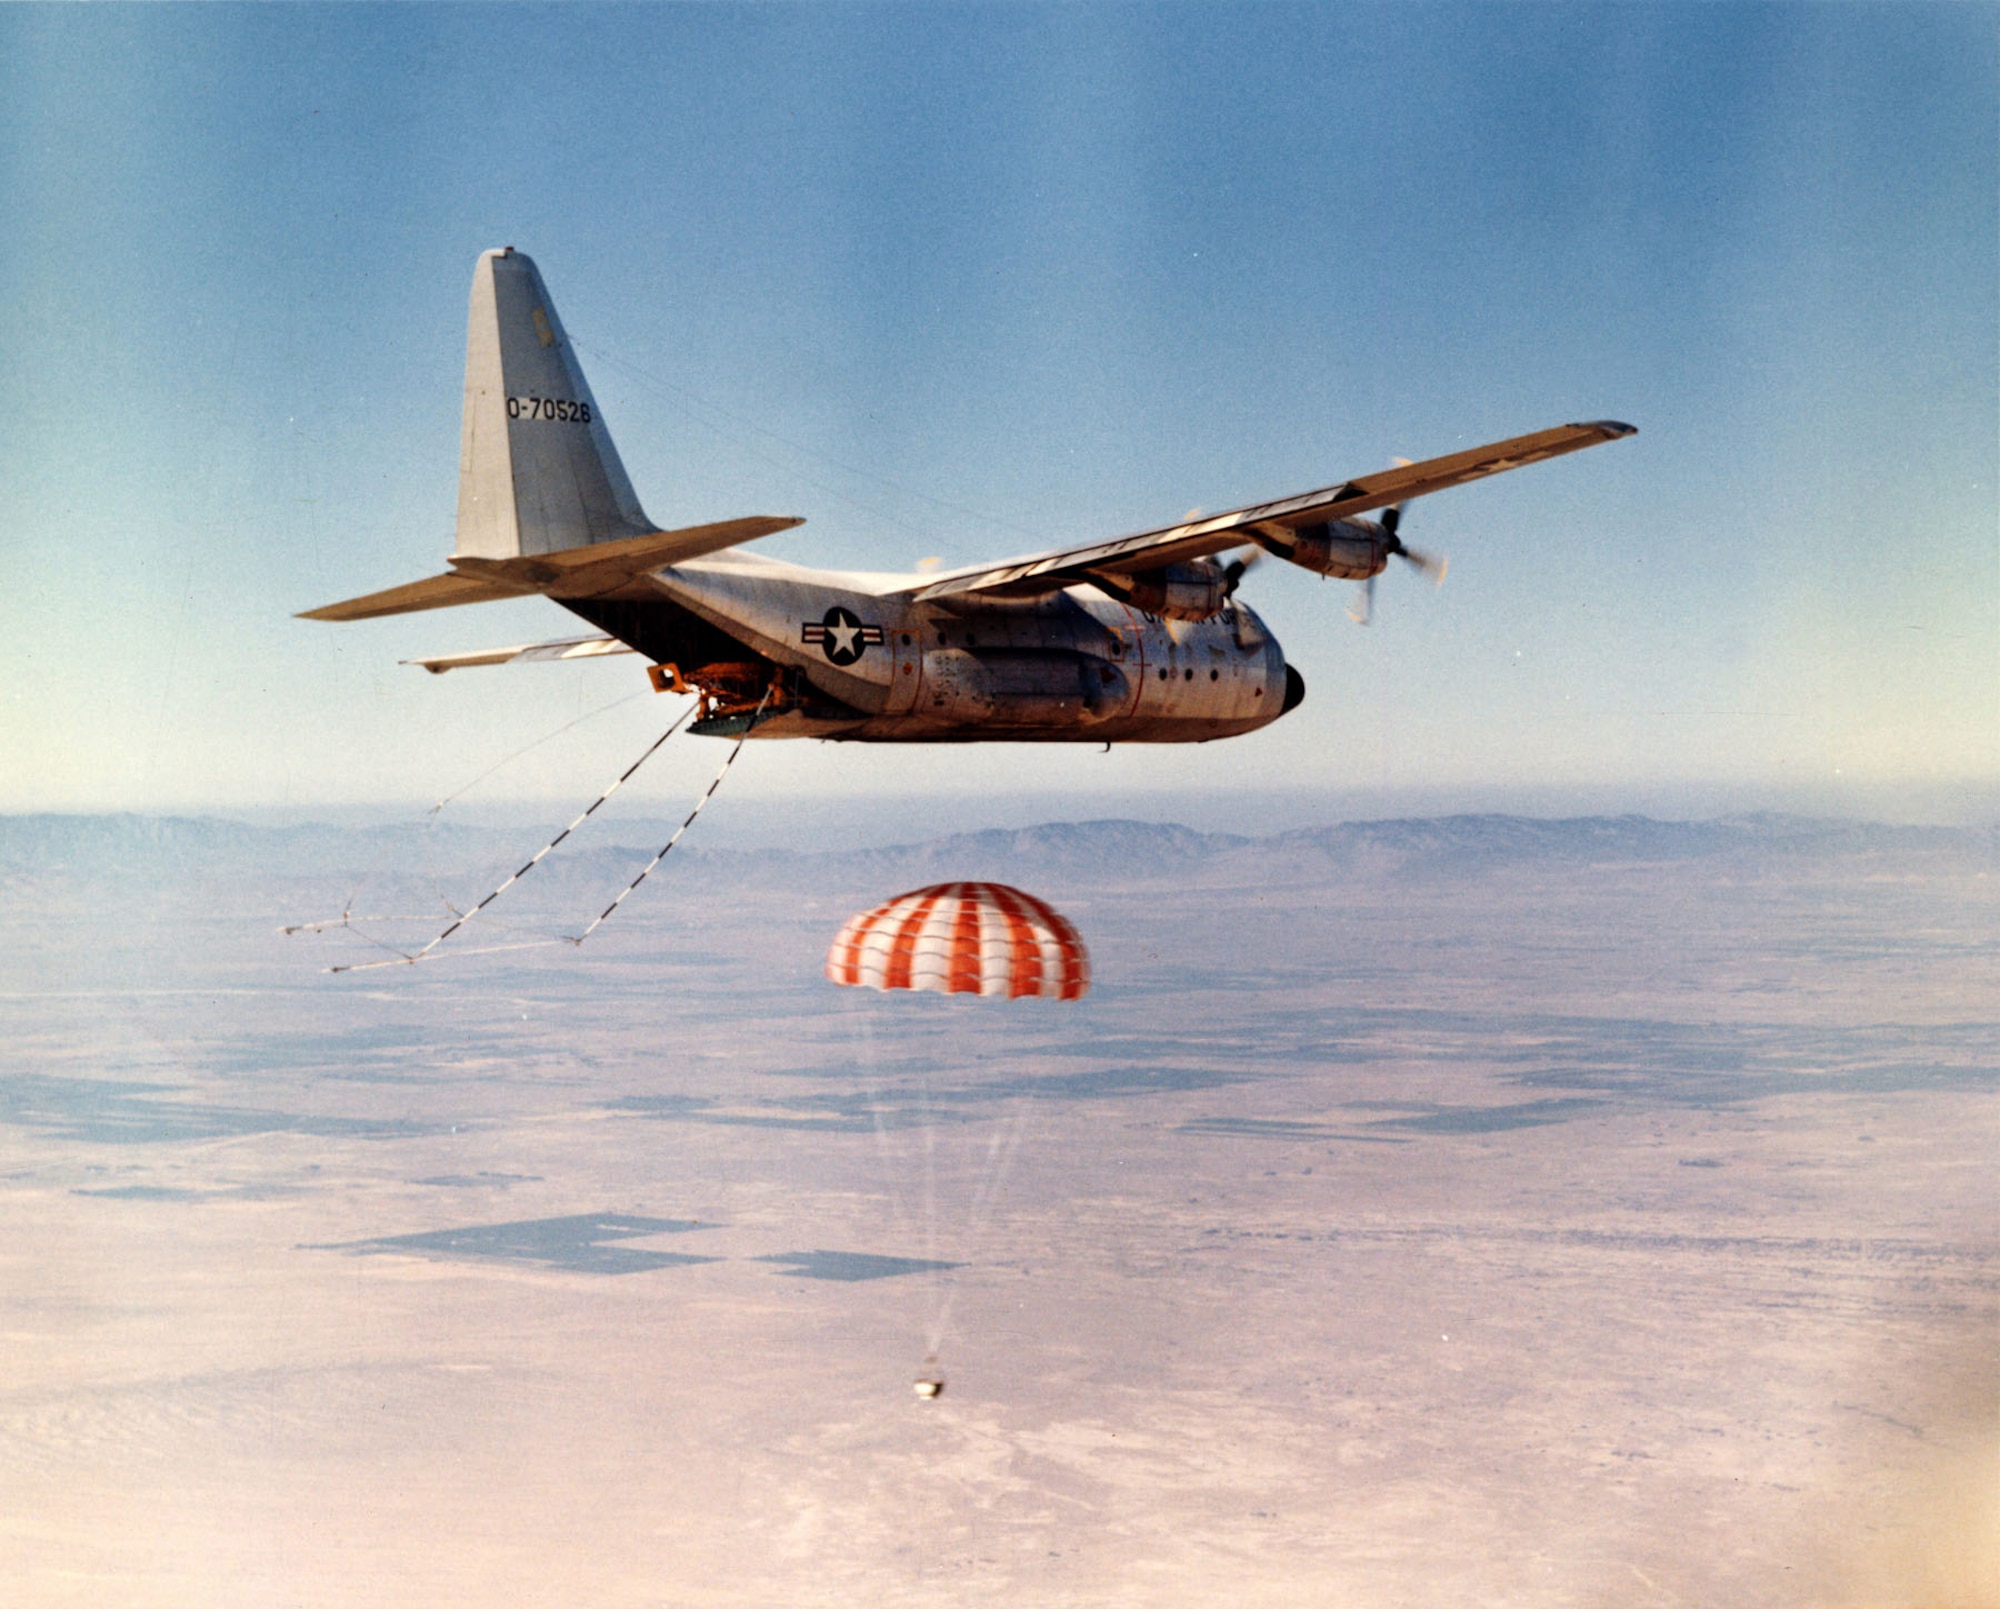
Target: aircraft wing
<point x="1194" y="539"/>
<point x="581" y="572"/>
<point x="567" y="648"/>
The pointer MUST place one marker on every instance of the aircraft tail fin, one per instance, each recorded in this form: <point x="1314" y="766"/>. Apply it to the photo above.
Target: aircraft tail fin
<point x="537" y="472"/>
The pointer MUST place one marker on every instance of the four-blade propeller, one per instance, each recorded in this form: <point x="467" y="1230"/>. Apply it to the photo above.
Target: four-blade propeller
<point x="1362" y="610"/>
<point x="1236" y="569"/>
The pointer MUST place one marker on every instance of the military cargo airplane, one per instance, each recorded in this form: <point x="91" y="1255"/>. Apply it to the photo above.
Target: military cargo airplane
<point x="1140" y="639"/>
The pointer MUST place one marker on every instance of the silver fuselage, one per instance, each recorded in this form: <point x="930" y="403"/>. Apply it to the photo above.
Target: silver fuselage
<point x="1071" y="665"/>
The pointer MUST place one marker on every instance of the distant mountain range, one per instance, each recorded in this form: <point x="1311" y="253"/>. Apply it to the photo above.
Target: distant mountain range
<point x="120" y="847"/>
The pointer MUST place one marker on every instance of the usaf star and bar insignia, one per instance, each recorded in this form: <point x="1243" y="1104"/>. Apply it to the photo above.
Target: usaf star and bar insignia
<point x="841" y="635"/>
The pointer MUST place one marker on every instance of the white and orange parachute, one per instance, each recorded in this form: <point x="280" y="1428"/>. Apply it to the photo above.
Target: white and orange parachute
<point x="963" y="938"/>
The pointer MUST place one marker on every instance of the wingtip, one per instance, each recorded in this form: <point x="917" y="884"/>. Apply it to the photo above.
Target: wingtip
<point x="1612" y="428"/>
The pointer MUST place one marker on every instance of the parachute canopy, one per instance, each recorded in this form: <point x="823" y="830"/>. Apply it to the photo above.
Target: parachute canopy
<point x="963" y="938"/>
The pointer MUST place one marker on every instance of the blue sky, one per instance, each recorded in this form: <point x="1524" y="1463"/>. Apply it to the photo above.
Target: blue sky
<point x="972" y="280"/>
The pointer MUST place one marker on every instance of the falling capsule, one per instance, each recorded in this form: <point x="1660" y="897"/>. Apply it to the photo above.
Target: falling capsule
<point x="930" y="1383"/>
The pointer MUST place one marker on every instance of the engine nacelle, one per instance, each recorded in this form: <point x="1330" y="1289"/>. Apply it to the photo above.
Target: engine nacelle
<point x="1179" y="592"/>
<point x="1353" y="550"/>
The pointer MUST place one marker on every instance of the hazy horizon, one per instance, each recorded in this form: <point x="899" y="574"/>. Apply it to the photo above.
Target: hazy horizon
<point x="811" y="820"/>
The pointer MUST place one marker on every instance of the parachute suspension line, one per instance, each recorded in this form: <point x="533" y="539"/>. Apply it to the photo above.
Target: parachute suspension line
<point x="699" y="804"/>
<point x="933" y="1048"/>
<point x="860" y="1012"/>
<point x="922" y="1118"/>
<point x="536" y="859"/>
<point x="1000" y="1150"/>
<point x="930" y="1193"/>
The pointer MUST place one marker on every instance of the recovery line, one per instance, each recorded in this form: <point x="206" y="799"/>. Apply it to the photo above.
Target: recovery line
<point x="535" y="859"/>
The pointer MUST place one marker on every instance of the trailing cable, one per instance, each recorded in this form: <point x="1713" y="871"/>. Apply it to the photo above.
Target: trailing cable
<point x="534" y="860"/>
<point x="729" y="760"/>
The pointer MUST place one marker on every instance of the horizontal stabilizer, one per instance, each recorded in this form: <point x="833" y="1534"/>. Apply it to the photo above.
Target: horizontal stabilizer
<point x="439" y="592"/>
<point x="567" y="648"/>
<point x="585" y="572"/>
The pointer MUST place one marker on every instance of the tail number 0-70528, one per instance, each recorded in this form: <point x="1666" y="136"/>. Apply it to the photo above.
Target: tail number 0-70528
<point x="569" y="413"/>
